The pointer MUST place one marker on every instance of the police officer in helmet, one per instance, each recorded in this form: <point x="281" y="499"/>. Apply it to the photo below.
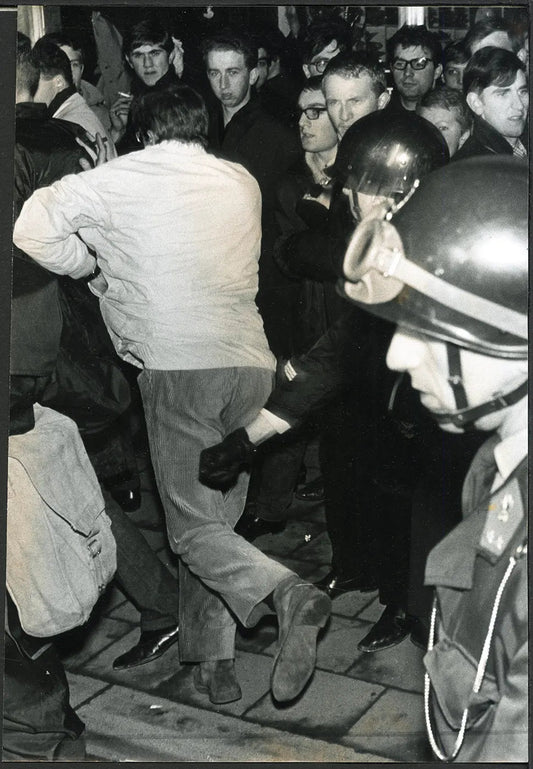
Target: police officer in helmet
<point x="451" y="269"/>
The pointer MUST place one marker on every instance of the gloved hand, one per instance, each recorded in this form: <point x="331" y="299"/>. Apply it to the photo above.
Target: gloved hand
<point x="221" y="464"/>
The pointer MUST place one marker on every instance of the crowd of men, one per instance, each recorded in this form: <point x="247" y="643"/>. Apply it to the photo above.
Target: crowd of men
<point x="202" y="247"/>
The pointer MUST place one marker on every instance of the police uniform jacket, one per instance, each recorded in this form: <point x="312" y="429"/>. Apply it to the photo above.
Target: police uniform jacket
<point x="467" y="569"/>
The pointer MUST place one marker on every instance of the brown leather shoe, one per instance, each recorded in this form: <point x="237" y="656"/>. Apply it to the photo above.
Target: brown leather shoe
<point x="302" y="610"/>
<point x="217" y="679"/>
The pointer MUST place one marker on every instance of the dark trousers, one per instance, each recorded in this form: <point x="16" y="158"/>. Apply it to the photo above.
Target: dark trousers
<point x="38" y="720"/>
<point x="148" y="584"/>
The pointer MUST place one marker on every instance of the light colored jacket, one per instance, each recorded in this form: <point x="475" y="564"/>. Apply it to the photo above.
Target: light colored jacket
<point x="177" y="232"/>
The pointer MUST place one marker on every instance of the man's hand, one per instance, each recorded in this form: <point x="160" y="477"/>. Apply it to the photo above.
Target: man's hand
<point x="221" y="464"/>
<point x="176" y="57"/>
<point x="102" y="151"/>
<point x="119" y="111"/>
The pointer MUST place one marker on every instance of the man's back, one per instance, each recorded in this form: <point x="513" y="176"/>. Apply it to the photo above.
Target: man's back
<point x="177" y="232"/>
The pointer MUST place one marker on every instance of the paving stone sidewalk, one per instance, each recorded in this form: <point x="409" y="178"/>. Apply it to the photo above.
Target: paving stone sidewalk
<point x="357" y="708"/>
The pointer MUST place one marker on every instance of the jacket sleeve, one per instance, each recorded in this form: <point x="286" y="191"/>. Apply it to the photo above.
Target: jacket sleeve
<point x="319" y="375"/>
<point x="47" y="225"/>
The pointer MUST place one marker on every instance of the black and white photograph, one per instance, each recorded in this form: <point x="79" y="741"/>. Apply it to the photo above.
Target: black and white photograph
<point x="266" y="446"/>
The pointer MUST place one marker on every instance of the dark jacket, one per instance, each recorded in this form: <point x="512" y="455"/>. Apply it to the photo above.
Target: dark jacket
<point x="313" y="299"/>
<point x="467" y="568"/>
<point x="263" y="145"/>
<point x="484" y="140"/>
<point x="45" y="150"/>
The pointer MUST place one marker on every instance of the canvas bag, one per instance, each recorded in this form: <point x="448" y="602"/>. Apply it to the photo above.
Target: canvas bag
<point x="61" y="552"/>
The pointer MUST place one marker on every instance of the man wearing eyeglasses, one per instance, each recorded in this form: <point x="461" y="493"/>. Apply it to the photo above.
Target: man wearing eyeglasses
<point x="324" y="40"/>
<point x="415" y="56"/>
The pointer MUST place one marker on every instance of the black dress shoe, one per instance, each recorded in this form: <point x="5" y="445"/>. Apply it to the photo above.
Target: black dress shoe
<point x="334" y="585"/>
<point x="390" y="629"/>
<point x="312" y="491"/>
<point x="419" y="634"/>
<point x="128" y="499"/>
<point x="151" y="645"/>
<point x="252" y="527"/>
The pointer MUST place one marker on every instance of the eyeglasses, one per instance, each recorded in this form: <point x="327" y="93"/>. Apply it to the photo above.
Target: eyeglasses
<point x="420" y="63"/>
<point x="312" y="113"/>
<point x="319" y="64"/>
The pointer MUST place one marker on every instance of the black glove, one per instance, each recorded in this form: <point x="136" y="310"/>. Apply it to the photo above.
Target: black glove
<point x="221" y="464"/>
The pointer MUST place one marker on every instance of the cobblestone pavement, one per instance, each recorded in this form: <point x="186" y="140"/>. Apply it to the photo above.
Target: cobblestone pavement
<point x="357" y="708"/>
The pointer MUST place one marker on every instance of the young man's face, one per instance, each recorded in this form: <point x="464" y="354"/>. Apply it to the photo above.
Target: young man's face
<point x="149" y="62"/>
<point x="413" y="84"/>
<point x="505" y="108"/>
<point x="447" y="122"/>
<point x="320" y="60"/>
<point x="76" y="64"/>
<point x="453" y="75"/>
<point x="425" y="359"/>
<point x="350" y="98"/>
<point x="229" y="77"/>
<point x="262" y="67"/>
<point x="316" y="135"/>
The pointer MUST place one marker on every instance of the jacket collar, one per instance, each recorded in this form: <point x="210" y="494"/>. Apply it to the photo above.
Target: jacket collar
<point x="31" y="110"/>
<point x="60" y="99"/>
<point x="490" y="138"/>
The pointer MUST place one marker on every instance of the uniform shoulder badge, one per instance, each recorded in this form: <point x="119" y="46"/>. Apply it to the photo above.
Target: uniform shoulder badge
<point x="504" y="514"/>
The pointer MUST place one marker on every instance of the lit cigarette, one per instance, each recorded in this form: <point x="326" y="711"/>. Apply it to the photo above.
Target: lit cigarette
<point x="127" y="95"/>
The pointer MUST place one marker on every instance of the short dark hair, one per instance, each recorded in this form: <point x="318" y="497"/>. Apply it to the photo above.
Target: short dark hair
<point x="409" y="36"/>
<point x="321" y="33"/>
<point x="482" y="29"/>
<point x="149" y="31"/>
<point x="449" y="99"/>
<point x="27" y="72"/>
<point x="455" y="53"/>
<point x="312" y="84"/>
<point x="350" y="65"/>
<point x="176" y="112"/>
<point x="490" y="66"/>
<point x="51" y="60"/>
<point x="273" y="41"/>
<point x="59" y="38"/>
<point x="228" y="40"/>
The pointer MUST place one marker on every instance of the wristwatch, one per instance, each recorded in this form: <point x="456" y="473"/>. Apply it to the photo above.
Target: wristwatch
<point x="94" y="274"/>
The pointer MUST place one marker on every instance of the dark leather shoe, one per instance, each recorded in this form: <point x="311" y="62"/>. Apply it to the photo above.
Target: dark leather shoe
<point x="334" y="586"/>
<point x="390" y="629"/>
<point x="302" y="610"/>
<point x="218" y="680"/>
<point x="419" y="635"/>
<point x="128" y="499"/>
<point x="312" y="491"/>
<point x="151" y="645"/>
<point x="252" y="527"/>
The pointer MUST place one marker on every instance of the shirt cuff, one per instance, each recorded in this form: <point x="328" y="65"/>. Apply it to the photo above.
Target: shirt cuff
<point x="278" y="424"/>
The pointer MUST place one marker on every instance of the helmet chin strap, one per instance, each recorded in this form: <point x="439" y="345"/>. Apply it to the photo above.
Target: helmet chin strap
<point x="465" y="416"/>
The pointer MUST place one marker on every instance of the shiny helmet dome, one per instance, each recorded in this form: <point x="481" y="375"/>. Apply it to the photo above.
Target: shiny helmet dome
<point x="383" y="154"/>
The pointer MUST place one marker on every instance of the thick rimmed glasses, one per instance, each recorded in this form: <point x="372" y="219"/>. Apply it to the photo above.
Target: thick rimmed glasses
<point x="312" y="113"/>
<point x="420" y="63"/>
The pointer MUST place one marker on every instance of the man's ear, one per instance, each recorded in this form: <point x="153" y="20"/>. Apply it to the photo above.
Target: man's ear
<point x="383" y="99"/>
<point x="464" y="136"/>
<point x="254" y="74"/>
<point x="128" y="60"/>
<point x="59" y="83"/>
<point x="438" y="73"/>
<point x="307" y="71"/>
<point x="475" y="103"/>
